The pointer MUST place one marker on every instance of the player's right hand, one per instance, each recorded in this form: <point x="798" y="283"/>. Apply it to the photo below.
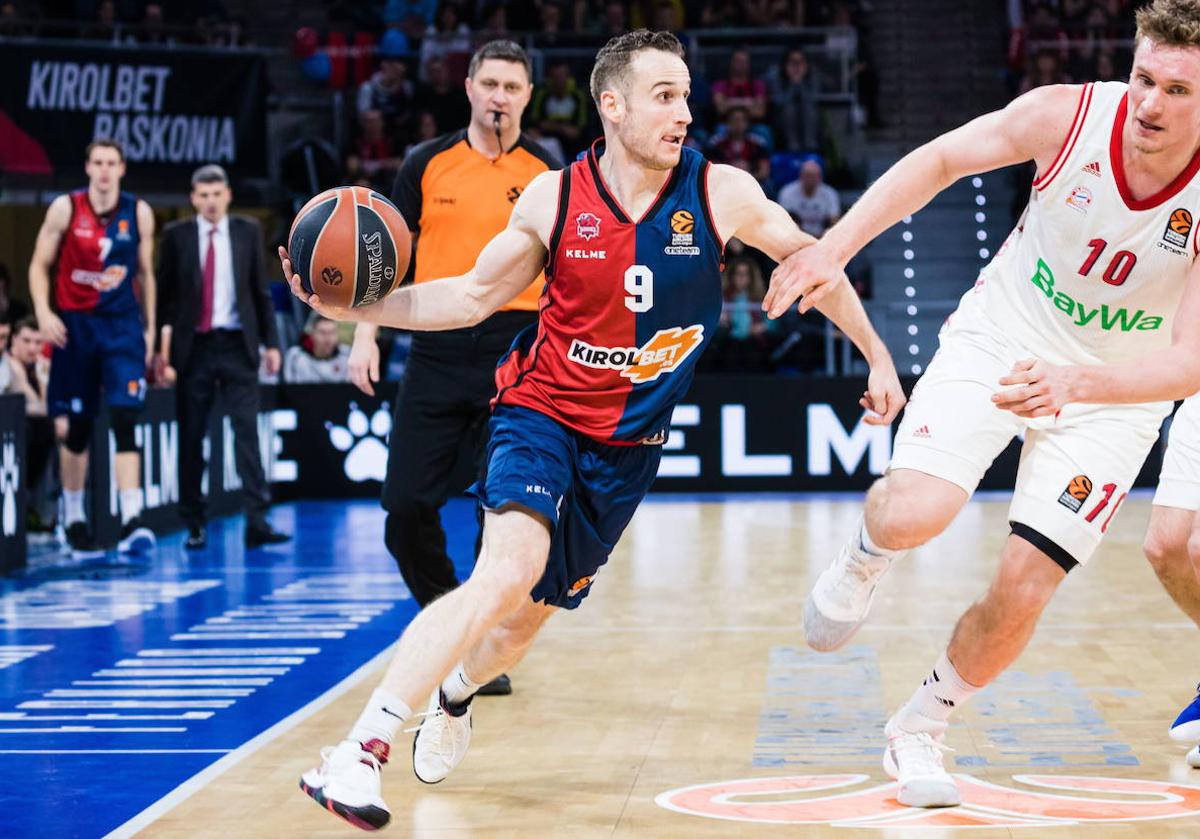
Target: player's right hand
<point x="807" y="275"/>
<point x="364" y="364"/>
<point x="53" y="328"/>
<point x="312" y="300"/>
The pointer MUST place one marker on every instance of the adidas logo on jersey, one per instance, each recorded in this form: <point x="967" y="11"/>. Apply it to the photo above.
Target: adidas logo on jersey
<point x="661" y="354"/>
<point x="1093" y="168"/>
<point x="923" y="431"/>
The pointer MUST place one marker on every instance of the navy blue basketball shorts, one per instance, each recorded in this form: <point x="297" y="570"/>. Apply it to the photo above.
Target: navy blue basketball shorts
<point x="587" y="490"/>
<point x="102" y="351"/>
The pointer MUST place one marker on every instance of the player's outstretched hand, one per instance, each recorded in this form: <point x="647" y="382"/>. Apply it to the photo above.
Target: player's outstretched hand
<point x="1036" y="389"/>
<point x="884" y="397"/>
<point x="807" y="275"/>
<point x="364" y="363"/>
<point x="312" y="300"/>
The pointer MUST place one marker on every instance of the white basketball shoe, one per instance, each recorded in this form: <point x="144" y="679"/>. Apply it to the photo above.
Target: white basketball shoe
<point x="914" y="759"/>
<point x="841" y="599"/>
<point x="442" y="740"/>
<point x="347" y="783"/>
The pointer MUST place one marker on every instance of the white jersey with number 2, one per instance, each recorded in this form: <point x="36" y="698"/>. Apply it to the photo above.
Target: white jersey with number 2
<point x="1090" y="274"/>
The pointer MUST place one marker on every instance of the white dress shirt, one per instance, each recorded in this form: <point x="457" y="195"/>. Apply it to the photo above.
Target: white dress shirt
<point x="225" y="312"/>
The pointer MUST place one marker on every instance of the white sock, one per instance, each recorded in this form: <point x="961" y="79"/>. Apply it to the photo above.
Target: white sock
<point x="72" y="506"/>
<point x="131" y="504"/>
<point x="458" y="687"/>
<point x="381" y="719"/>
<point x="935" y="700"/>
<point x="864" y="543"/>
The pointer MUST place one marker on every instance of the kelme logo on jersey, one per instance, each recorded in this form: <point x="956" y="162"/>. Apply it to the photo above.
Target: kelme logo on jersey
<point x="661" y="354"/>
<point x="1104" y="317"/>
<point x="1178" y="228"/>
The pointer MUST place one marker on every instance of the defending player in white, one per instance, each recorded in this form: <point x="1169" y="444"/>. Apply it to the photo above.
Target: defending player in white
<point x="1080" y="333"/>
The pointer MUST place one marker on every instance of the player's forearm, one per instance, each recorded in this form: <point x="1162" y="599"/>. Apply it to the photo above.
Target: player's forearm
<point x="901" y="191"/>
<point x="149" y="300"/>
<point x="39" y="289"/>
<point x="1160" y="376"/>
<point x="365" y="332"/>
<point x="432" y="306"/>
<point x="845" y="309"/>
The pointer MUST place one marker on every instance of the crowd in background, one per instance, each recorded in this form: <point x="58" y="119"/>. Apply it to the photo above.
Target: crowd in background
<point x="178" y="22"/>
<point x="1069" y="41"/>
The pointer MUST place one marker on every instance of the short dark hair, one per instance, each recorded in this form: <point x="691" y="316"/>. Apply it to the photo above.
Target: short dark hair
<point x="103" y="143"/>
<point x="501" y="50"/>
<point x="27" y="322"/>
<point x="209" y="173"/>
<point x="614" y="58"/>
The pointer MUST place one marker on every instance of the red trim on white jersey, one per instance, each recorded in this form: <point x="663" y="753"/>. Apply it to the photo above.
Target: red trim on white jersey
<point x="1060" y="160"/>
<point x="1118" y="165"/>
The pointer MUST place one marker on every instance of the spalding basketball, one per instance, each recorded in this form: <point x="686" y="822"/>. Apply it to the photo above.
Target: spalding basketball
<point x="350" y="245"/>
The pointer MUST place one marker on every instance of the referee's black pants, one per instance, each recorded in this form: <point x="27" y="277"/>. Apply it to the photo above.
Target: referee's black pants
<point x="441" y="414"/>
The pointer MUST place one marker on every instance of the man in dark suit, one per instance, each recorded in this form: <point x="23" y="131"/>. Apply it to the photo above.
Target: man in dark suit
<point x="215" y="312"/>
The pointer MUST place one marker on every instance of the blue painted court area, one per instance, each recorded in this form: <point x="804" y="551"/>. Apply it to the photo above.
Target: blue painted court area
<point x="119" y="681"/>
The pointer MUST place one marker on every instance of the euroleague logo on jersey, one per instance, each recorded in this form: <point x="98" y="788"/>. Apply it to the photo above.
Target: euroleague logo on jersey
<point x="683" y="224"/>
<point x="1179" y="227"/>
<point x="663" y="353"/>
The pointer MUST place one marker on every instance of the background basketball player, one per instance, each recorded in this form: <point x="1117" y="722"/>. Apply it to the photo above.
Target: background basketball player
<point x="631" y="239"/>
<point x="101" y="240"/>
<point x="1097" y="283"/>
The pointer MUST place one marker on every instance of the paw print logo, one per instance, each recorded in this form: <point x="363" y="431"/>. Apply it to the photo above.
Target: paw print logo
<point x="364" y="439"/>
<point x="10" y="482"/>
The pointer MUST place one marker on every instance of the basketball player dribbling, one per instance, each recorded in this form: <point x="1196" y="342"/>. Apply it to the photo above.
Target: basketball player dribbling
<point x="1079" y="333"/>
<point x="631" y="239"/>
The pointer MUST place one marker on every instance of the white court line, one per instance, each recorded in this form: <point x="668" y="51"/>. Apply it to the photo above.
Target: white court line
<point x="195" y="783"/>
<point x="908" y="628"/>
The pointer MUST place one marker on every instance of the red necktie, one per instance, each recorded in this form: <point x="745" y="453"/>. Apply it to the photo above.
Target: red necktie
<point x="206" y="293"/>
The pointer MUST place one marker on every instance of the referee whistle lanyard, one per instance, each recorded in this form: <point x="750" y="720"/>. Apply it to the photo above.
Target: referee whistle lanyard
<point x="499" y="140"/>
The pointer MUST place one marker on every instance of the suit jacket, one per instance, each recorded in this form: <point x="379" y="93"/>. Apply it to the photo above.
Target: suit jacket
<point x="180" y="286"/>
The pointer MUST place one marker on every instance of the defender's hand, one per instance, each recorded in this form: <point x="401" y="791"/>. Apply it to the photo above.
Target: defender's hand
<point x="807" y="275"/>
<point x="1042" y="390"/>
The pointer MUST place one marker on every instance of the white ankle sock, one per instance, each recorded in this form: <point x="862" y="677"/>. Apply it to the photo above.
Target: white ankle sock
<point x="381" y="719"/>
<point x="72" y="506"/>
<point x="935" y="700"/>
<point x="458" y="687"/>
<point x="862" y="541"/>
<point x="131" y="504"/>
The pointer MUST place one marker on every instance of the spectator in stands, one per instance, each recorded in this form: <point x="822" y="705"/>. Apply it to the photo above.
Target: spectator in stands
<point x="794" y="115"/>
<point x="319" y="357"/>
<point x="1106" y="67"/>
<point x="740" y="90"/>
<point x="11" y="309"/>
<point x="738" y="147"/>
<point x="6" y="373"/>
<point x="29" y="373"/>
<point x="550" y="23"/>
<point x="613" y="20"/>
<point x="427" y="129"/>
<point x="153" y="31"/>
<point x="11" y="25"/>
<point x="560" y="109"/>
<point x="389" y="91"/>
<point x="721" y="14"/>
<point x="495" y="23"/>
<point x="104" y="26"/>
<point x="378" y="155"/>
<point x="771" y="13"/>
<point x="742" y="342"/>
<point x="442" y="98"/>
<point x="449" y="36"/>
<point x="412" y="17"/>
<point x="1047" y="69"/>
<point x="812" y="203"/>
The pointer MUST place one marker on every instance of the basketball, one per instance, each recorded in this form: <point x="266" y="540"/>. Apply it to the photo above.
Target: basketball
<point x="350" y="245"/>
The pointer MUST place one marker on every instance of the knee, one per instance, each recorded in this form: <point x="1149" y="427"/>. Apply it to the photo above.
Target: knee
<point x="1164" y="553"/>
<point x="896" y="518"/>
<point x="77" y="435"/>
<point x="124" y="424"/>
<point x="1193" y="551"/>
<point x="1016" y="602"/>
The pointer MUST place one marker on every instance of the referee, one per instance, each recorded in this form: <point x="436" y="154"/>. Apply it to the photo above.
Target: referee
<point x="457" y="192"/>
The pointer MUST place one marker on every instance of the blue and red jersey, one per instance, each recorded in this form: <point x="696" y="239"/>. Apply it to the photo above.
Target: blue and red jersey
<point x="98" y="258"/>
<point x="627" y="308"/>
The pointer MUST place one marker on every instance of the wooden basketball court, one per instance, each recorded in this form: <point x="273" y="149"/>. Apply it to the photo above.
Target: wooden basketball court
<point x="682" y="701"/>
